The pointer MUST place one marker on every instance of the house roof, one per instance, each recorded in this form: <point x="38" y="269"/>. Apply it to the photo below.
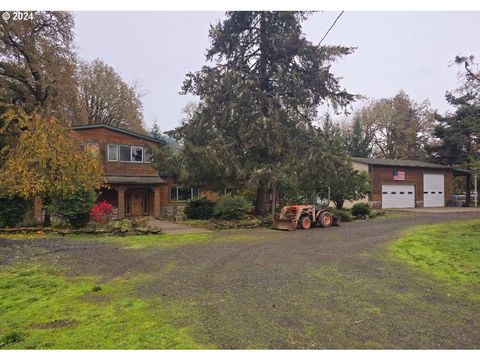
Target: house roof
<point x="144" y="180"/>
<point x="123" y="131"/>
<point x="410" y="163"/>
<point x="399" y="163"/>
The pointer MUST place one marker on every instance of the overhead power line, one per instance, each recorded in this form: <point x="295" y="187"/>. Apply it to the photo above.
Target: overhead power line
<point x="331" y="27"/>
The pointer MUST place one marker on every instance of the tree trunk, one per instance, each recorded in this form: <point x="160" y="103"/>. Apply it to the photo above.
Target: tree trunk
<point x="46" y="221"/>
<point x="261" y="200"/>
<point x="339" y="203"/>
<point x="274" y="199"/>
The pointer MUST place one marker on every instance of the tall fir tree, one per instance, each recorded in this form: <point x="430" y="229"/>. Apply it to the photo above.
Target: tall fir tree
<point x="264" y="86"/>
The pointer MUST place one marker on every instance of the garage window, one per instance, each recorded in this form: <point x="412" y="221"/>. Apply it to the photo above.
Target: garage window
<point x="433" y="192"/>
<point x="394" y="192"/>
<point x="402" y="192"/>
<point x="384" y="192"/>
<point x="410" y="192"/>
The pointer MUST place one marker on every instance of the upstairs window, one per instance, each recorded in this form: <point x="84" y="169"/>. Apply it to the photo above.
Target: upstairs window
<point x="112" y="153"/>
<point x="148" y="156"/>
<point x="125" y="153"/>
<point x="137" y="154"/>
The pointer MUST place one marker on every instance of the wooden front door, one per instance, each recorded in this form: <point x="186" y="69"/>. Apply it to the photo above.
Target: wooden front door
<point x="137" y="202"/>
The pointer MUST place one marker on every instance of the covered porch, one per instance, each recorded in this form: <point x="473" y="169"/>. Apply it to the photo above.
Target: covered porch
<point x="467" y="198"/>
<point x="133" y="195"/>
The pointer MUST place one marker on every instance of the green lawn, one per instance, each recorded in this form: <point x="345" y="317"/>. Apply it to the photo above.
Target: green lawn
<point x="42" y="308"/>
<point x="449" y="251"/>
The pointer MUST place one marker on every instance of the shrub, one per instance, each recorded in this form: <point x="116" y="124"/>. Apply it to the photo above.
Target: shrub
<point x="140" y="225"/>
<point x="344" y="215"/>
<point x="12" y="211"/>
<point x="74" y="208"/>
<point x="199" y="209"/>
<point x="101" y="212"/>
<point x="361" y="210"/>
<point x="231" y="207"/>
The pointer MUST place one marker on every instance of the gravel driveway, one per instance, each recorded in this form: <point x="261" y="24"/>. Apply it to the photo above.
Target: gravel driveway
<point x="321" y="288"/>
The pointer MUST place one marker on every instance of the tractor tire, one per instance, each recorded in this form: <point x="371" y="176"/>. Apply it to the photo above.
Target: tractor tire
<point x="305" y="222"/>
<point x="326" y="219"/>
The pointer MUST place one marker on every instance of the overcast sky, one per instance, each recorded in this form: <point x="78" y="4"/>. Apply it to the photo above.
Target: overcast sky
<point x="396" y="50"/>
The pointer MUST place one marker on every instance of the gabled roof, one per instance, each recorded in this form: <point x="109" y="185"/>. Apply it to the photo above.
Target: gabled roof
<point x="123" y="131"/>
<point x="399" y="163"/>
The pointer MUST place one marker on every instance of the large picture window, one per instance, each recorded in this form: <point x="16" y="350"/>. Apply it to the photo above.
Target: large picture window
<point x="183" y="193"/>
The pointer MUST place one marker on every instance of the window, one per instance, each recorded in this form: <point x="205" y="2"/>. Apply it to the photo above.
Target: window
<point x="402" y="192"/>
<point x="148" y="155"/>
<point x="112" y="153"/>
<point x="125" y="153"/>
<point x="181" y="193"/>
<point x="385" y="192"/>
<point x="184" y="194"/>
<point x="394" y="192"/>
<point x="173" y="193"/>
<point x="433" y="192"/>
<point x="137" y="154"/>
<point x="410" y="192"/>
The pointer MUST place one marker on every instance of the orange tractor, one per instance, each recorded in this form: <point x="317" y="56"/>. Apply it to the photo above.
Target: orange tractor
<point x="303" y="216"/>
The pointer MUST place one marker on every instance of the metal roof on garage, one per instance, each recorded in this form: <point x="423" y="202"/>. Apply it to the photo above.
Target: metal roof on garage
<point x="399" y="163"/>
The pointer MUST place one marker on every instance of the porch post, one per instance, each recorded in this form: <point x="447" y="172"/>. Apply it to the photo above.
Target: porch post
<point x="156" y="201"/>
<point x="37" y="210"/>
<point x="121" y="201"/>
<point x="469" y="189"/>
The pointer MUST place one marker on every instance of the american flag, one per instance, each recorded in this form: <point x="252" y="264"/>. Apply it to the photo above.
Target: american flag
<point x="398" y="175"/>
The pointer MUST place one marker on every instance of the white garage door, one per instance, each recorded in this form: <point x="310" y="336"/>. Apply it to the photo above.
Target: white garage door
<point x="398" y="196"/>
<point x="433" y="190"/>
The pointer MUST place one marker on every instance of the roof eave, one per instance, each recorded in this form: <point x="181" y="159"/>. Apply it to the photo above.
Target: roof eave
<point x="120" y="130"/>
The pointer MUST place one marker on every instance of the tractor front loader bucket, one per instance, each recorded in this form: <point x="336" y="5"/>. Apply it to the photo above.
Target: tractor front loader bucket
<point x="285" y="224"/>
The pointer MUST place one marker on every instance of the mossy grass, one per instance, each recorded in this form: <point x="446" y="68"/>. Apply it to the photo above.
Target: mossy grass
<point x="448" y="251"/>
<point x="41" y="308"/>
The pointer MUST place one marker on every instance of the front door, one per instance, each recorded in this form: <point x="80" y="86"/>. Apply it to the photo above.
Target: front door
<point x="137" y="202"/>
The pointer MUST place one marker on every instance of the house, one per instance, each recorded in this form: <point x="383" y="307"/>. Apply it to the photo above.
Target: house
<point x="132" y="184"/>
<point x="408" y="183"/>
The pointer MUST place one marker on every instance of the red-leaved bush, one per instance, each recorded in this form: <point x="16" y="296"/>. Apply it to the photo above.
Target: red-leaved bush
<point x="101" y="212"/>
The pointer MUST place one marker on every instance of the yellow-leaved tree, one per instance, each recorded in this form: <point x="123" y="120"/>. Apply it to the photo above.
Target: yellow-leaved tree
<point x="48" y="160"/>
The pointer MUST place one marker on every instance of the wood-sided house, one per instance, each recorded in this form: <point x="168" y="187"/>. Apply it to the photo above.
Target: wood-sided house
<point x="132" y="184"/>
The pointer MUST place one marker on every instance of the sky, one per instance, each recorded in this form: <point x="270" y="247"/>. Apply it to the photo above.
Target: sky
<point x="412" y="51"/>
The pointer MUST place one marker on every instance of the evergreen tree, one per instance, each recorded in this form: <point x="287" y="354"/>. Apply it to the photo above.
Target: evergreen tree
<point x="263" y="88"/>
<point x="458" y="134"/>
<point x="359" y="143"/>
<point x="155" y="131"/>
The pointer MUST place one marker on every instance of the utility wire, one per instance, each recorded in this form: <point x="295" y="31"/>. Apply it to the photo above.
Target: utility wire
<point x="331" y="27"/>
